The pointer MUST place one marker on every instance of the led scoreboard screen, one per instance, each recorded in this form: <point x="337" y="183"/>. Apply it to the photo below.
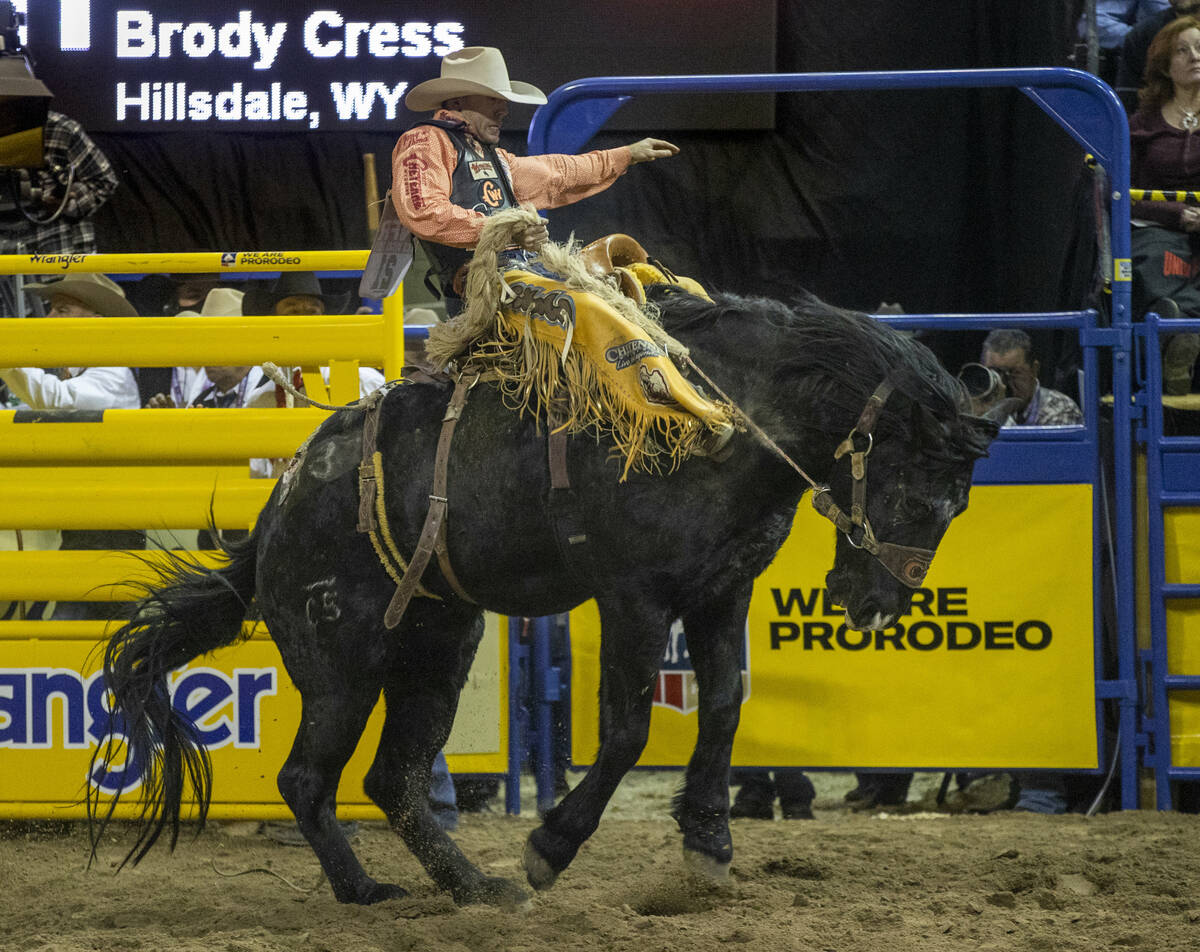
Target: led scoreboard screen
<point x="289" y="65"/>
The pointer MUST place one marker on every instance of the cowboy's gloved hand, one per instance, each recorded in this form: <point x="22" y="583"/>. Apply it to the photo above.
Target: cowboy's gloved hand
<point x="647" y="150"/>
<point x="533" y="236"/>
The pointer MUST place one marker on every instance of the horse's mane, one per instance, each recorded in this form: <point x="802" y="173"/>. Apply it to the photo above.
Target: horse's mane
<point x="838" y="355"/>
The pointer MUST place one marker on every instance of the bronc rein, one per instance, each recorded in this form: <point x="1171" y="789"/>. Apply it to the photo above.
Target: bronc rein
<point x="906" y="563"/>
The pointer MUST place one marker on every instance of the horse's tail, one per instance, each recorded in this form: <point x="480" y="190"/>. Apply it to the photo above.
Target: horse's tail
<point x="192" y="611"/>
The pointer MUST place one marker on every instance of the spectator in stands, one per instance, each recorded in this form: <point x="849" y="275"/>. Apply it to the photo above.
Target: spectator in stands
<point x="300" y="293"/>
<point x="1131" y="67"/>
<point x="755" y="799"/>
<point x="71" y="159"/>
<point x="163" y="295"/>
<point x="249" y="386"/>
<point x="77" y="388"/>
<point x="445" y="203"/>
<point x="1114" y="19"/>
<point x="294" y="292"/>
<point x="217" y="302"/>
<point x="1010" y="354"/>
<point x="1165" y="132"/>
<point x="81" y="388"/>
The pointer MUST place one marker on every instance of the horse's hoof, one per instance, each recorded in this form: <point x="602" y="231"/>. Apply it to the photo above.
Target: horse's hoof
<point x="703" y="866"/>
<point x="373" y="892"/>
<point x="541" y="875"/>
<point x="493" y="891"/>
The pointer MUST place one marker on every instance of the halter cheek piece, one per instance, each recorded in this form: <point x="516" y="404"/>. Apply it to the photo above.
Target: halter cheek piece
<point x="907" y="563"/>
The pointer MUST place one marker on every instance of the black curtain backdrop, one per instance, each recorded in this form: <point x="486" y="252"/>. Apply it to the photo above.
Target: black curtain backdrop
<point x="940" y="201"/>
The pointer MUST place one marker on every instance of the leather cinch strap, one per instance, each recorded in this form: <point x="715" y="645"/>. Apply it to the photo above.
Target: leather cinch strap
<point x="433" y="533"/>
<point x="372" y="514"/>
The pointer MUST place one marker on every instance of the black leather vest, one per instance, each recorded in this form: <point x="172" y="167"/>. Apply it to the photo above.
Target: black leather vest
<point x="478" y="183"/>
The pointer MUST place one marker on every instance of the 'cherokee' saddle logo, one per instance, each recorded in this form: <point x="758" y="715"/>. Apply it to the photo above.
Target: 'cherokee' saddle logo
<point x="629" y="353"/>
<point x="556" y="307"/>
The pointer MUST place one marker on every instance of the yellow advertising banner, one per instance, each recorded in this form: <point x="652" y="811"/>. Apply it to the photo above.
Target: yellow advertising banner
<point x="1181" y="551"/>
<point x="52" y="716"/>
<point x="993" y="666"/>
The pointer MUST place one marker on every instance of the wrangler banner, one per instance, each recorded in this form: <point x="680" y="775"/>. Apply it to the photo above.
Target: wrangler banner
<point x="53" y="714"/>
<point x="993" y="666"/>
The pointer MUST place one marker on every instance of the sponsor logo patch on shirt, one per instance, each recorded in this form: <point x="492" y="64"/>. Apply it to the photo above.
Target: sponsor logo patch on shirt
<point x="482" y="170"/>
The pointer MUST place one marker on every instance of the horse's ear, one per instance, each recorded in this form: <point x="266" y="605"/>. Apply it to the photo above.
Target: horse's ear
<point x="965" y="434"/>
<point x="978" y="433"/>
<point x="929" y="430"/>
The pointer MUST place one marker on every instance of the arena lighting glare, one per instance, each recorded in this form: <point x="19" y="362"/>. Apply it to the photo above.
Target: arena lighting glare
<point x="24" y="99"/>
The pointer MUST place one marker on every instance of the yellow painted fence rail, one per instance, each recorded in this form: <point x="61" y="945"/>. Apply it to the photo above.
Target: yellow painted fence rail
<point x="174" y="469"/>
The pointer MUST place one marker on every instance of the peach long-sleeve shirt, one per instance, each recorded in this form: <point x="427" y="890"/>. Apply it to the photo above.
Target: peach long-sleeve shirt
<point x="424" y="160"/>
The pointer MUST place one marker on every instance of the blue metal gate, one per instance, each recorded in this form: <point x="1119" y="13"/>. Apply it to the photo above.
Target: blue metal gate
<point x="1090" y="112"/>
<point x="1172" y="483"/>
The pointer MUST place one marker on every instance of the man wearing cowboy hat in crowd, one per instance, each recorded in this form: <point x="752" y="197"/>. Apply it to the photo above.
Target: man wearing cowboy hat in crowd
<point x="448" y="175"/>
<point x="77" y="388"/>
<point x="248" y="386"/>
<point x="81" y="388"/>
<point x="299" y="293"/>
<point x="294" y="292"/>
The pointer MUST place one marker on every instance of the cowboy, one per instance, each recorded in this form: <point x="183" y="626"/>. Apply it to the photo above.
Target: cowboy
<point x="81" y="388"/>
<point x="448" y="176"/>
<point x="77" y="388"/>
<point x="294" y="292"/>
<point x="181" y="381"/>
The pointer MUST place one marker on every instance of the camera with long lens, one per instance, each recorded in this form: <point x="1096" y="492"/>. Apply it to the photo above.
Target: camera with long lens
<point x="985" y="385"/>
<point x="24" y="99"/>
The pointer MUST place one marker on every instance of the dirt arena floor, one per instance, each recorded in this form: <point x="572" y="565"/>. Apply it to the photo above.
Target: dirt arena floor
<point x="845" y="881"/>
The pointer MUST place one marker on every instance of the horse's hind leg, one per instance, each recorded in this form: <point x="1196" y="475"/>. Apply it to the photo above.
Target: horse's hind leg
<point x="633" y="639"/>
<point x="437" y="644"/>
<point x="715" y="633"/>
<point x="332" y="720"/>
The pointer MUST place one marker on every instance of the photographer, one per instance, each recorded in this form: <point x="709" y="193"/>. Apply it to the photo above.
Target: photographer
<point x="1007" y="370"/>
<point x="1008" y="355"/>
<point x="48" y="191"/>
<point x="77" y="176"/>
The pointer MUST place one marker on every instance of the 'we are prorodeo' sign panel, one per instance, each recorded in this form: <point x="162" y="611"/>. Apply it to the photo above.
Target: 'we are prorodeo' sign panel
<point x="994" y="666"/>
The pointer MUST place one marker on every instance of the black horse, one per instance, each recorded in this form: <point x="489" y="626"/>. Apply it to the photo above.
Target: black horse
<point x="687" y="545"/>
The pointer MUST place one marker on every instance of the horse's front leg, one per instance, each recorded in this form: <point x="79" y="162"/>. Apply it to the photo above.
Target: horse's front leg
<point x="715" y="632"/>
<point x="633" y="637"/>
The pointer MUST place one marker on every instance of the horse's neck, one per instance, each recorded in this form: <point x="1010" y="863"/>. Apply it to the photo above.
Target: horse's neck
<point x="791" y="418"/>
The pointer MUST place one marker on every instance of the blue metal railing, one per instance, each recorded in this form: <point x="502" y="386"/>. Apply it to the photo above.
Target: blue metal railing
<point x="1172" y="480"/>
<point x="1089" y="111"/>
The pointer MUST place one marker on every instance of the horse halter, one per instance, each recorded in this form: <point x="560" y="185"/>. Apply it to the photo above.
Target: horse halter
<point x="906" y="563"/>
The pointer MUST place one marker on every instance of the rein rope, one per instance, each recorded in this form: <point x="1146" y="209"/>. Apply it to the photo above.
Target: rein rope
<point x="280" y="379"/>
<point x="907" y="564"/>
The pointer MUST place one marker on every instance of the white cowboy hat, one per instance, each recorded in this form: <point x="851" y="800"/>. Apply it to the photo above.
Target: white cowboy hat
<point x="99" y="292"/>
<point x="471" y="71"/>
<point x="222" y="302"/>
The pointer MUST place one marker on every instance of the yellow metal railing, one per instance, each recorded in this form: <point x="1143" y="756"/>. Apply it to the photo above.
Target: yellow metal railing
<point x="151" y="469"/>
